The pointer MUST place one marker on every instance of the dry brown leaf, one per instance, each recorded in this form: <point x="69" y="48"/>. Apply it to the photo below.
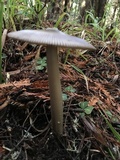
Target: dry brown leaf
<point x="42" y="84"/>
<point x="25" y="82"/>
<point x="29" y="56"/>
<point x="93" y="101"/>
<point x="5" y="103"/>
<point x="109" y="99"/>
<point x="80" y="64"/>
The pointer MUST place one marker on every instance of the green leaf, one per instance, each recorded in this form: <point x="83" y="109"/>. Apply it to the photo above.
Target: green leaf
<point x="89" y="109"/>
<point x="116" y="134"/>
<point x="60" y="19"/>
<point x="109" y="113"/>
<point x="64" y="97"/>
<point x="86" y="108"/>
<point x="41" y="63"/>
<point x="1" y="19"/>
<point x="82" y="114"/>
<point x="70" y="89"/>
<point x="83" y="105"/>
<point x="113" y="130"/>
<point x="39" y="68"/>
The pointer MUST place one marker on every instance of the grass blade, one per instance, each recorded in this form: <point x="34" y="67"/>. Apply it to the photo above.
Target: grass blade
<point x="1" y="19"/>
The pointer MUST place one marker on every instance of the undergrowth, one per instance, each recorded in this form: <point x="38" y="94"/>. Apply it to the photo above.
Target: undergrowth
<point x="23" y="15"/>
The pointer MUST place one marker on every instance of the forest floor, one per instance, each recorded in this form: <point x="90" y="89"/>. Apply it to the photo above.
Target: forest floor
<point x="91" y="87"/>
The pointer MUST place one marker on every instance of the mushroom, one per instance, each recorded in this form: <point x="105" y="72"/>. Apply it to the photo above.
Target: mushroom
<point x="53" y="39"/>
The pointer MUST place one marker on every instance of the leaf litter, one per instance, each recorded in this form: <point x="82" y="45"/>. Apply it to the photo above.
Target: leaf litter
<point x="25" y="119"/>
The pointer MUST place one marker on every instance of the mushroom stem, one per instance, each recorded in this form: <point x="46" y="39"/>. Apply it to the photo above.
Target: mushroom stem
<point x="55" y="90"/>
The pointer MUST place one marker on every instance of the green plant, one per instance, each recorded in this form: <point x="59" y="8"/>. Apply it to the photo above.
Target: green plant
<point x="60" y="19"/>
<point x="66" y="57"/>
<point x="64" y="97"/>
<point x="67" y="89"/>
<point x="101" y="27"/>
<point x="23" y="11"/>
<point x="87" y="109"/>
<point x="115" y="133"/>
<point x="41" y="63"/>
<point x="1" y="19"/>
<point x="10" y="10"/>
<point x="113" y="130"/>
<point x="70" y="89"/>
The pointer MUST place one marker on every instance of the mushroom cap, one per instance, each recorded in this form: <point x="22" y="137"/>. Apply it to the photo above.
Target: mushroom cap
<point x="51" y="36"/>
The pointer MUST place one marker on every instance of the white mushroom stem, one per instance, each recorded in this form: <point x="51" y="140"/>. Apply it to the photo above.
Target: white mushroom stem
<point x="55" y="89"/>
